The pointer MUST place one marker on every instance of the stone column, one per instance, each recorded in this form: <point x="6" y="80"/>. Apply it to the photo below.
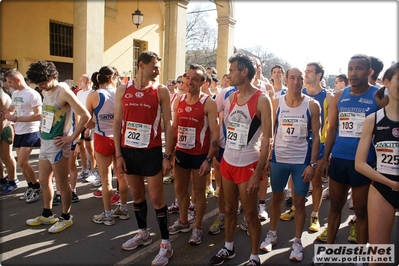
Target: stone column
<point x="225" y="44"/>
<point x="175" y="39"/>
<point x="88" y="37"/>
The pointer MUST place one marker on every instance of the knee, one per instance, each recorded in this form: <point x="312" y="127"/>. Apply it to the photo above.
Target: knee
<point x="277" y="199"/>
<point x="22" y="163"/>
<point x="360" y="211"/>
<point x="230" y="210"/>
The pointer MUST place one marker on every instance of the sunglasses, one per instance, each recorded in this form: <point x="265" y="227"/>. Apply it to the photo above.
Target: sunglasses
<point x="179" y="81"/>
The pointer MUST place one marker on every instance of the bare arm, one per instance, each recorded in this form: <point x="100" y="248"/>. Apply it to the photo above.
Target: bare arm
<point x="91" y="103"/>
<point x="175" y="122"/>
<point x="67" y="96"/>
<point x="361" y="155"/>
<point x="164" y="97"/>
<point x="37" y="115"/>
<point x="212" y="114"/>
<point x="120" y="162"/>
<point x="331" y="132"/>
<point x="314" y="107"/>
<point x="264" y="111"/>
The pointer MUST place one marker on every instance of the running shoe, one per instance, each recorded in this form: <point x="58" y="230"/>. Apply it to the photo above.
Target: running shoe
<point x="222" y="255"/>
<point x="9" y="188"/>
<point x="323" y="236"/>
<point x="34" y="196"/>
<point x="163" y="256"/>
<point x="296" y="252"/>
<point x="263" y="215"/>
<point x="196" y="236"/>
<point x="314" y="223"/>
<point x="140" y="239"/>
<point x="115" y="199"/>
<point x="216" y="226"/>
<point x="26" y="194"/>
<point x="118" y="213"/>
<point x="75" y="197"/>
<point x="288" y="215"/>
<point x="173" y="208"/>
<point x="98" y="194"/>
<point x="179" y="227"/>
<point x="269" y="242"/>
<point x="42" y="220"/>
<point x="325" y="194"/>
<point x="102" y="219"/>
<point x="288" y="195"/>
<point x="56" y="199"/>
<point x="61" y="225"/>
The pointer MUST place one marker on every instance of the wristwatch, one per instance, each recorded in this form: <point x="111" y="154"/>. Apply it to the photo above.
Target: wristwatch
<point x="167" y="156"/>
<point x="313" y="165"/>
<point x="208" y="159"/>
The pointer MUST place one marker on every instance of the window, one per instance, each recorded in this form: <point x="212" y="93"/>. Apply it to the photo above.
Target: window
<point x="138" y="48"/>
<point x="61" y="39"/>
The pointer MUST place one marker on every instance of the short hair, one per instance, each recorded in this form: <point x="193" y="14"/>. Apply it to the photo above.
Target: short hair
<point x="277" y="66"/>
<point x="147" y="56"/>
<point x="365" y="57"/>
<point x="319" y="68"/>
<point x="377" y="65"/>
<point x="244" y="61"/>
<point x="41" y="71"/>
<point x="201" y="68"/>
<point x="12" y="73"/>
<point x="344" y="78"/>
<point x="214" y="71"/>
<point x="103" y="76"/>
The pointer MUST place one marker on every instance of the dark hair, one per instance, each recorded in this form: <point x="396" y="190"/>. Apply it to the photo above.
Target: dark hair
<point x="147" y="56"/>
<point x="208" y="78"/>
<point x="214" y="71"/>
<point x="277" y="66"/>
<point x="103" y="76"/>
<point x="389" y="73"/>
<point x="344" y="78"/>
<point x="244" y="61"/>
<point x="41" y="71"/>
<point x="319" y="68"/>
<point x="215" y="78"/>
<point x="377" y="65"/>
<point x="363" y="56"/>
<point x="225" y="75"/>
<point x="199" y="67"/>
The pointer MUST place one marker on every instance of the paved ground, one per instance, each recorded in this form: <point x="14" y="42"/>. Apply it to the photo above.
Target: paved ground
<point x="87" y="243"/>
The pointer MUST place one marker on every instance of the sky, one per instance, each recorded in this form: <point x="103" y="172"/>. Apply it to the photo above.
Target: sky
<point x="329" y="32"/>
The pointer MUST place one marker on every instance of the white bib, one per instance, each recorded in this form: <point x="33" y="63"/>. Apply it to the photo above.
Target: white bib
<point x="47" y="121"/>
<point x="137" y="135"/>
<point x="351" y="124"/>
<point x="237" y="135"/>
<point x="186" y="137"/>
<point x="387" y="157"/>
<point x="293" y="129"/>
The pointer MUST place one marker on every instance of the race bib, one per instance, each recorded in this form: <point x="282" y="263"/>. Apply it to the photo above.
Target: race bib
<point x="388" y="157"/>
<point x="237" y="135"/>
<point x="137" y="135"/>
<point x="350" y="124"/>
<point x="293" y="129"/>
<point x="47" y="121"/>
<point x="18" y="110"/>
<point x="186" y="137"/>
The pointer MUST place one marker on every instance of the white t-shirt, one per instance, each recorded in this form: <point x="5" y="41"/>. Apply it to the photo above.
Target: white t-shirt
<point x="24" y="101"/>
<point x="82" y="96"/>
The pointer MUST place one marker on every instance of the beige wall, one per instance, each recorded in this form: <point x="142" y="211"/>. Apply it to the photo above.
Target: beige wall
<point x="25" y="27"/>
<point x="25" y="31"/>
<point x="118" y="49"/>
